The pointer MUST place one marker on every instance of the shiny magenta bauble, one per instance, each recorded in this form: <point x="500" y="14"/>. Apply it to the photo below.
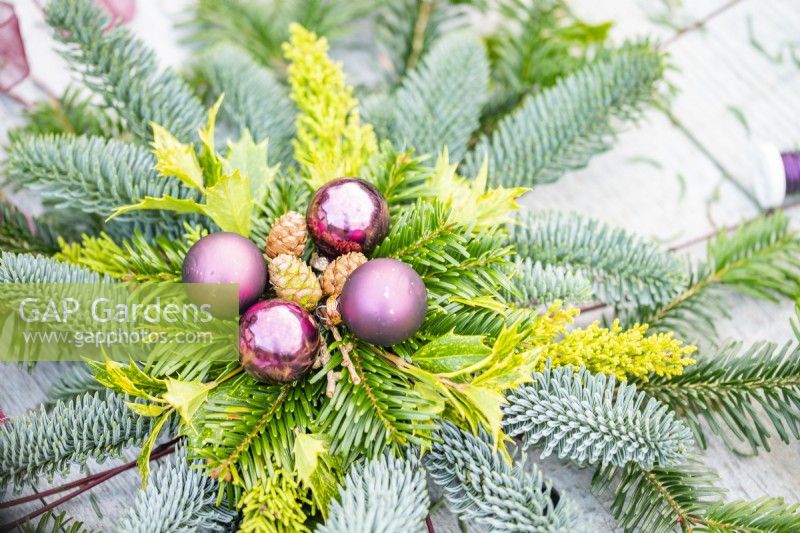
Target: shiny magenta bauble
<point x="347" y="215"/>
<point x="278" y="341"/>
<point x="383" y="302"/>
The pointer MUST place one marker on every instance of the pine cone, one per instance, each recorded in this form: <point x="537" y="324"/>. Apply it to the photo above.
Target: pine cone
<point x="338" y="270"/>
<point x="287" y="236"/>
<point x="294" y="280"/>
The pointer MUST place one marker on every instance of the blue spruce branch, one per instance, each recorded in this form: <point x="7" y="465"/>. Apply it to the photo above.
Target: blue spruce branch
<point x="563" y="127"/>
<point x="479" y="484"/>
<point x="590" y="418"/>
<point x="386" y="494"/>
<point x="122" y="70"/>
<point x="42" y="443"/>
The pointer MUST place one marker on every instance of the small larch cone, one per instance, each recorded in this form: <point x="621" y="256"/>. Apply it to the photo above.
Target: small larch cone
<point x="338" y="270"/>
<point x="294" y="280"/>
<point x="287" y="236"/>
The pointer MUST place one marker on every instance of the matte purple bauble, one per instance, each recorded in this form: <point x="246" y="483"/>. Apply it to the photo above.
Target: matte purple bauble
<point x="383" y="302"/>
<point x="278" y="341"/>
<point x="347" y="215"/>
<point x="227" y="258"/>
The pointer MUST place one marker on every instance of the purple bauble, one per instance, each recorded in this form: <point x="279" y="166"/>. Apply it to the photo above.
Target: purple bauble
<point x="383" y="302"/>
<point x="278" y="341"/>
<point x="347" y="215"/>
<point x="227" y="258"/>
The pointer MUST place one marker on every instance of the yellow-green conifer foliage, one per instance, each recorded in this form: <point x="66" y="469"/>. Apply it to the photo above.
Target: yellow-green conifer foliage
<point x="331" y="142"/>
<point x="626" y="354"/>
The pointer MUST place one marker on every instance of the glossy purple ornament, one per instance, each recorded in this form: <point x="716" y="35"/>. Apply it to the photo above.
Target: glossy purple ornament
<point x="383" y="302"/>
<point x="278" y="341"/>
<point x="227" y="258"/>
<point x="347" y="215"/>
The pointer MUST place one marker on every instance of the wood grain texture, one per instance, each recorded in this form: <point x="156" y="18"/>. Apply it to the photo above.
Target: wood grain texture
<point x="667" y="178"/>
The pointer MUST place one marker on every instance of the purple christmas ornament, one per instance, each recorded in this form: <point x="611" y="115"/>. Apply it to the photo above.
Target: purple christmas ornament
<point x="347" y="215"/>
<point x="278" y="341"/>
<point x="227" y="258"/>
<point x="383" y="302"/>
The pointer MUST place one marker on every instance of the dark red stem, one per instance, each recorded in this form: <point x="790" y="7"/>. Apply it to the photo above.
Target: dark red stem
<point x="429" y="524"/>
<point x="84" y="485"/>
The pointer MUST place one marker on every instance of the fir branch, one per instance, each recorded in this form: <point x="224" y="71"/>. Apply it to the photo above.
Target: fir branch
<point x="399" y="176"/>
<point x="536" y="45"/>
<point x="283" y="194"/>
<point x="122" y="70"/>
<point x="438" y="104"/>
<point x="92" y="426"/>
<point x="382" y="411"/>
<point x="748" y="394"/>
<point x="246" y="429"/>
<point x="261" y="26"/>
<point x="590" y="419"/>
<point x="479" y="484"/>
<point x="659" y="499"/>
<point x="539" y="284"/>
<point x="407" y="29"/>
<point x="20" y="234"/>
<point x="95" y="176"/>
<point x="561" y="128"/>
<point x="50" y="521"/>
<point x="386" y="494"/>
<point x="254" y="99"/>
<point x="179" y="498"/>
<point x="764" y="515"/>
<point x="76" y="380"/>
<point x="73" y="113"/>
<point x="137" y="259"/>
<point x="761" y="258"/>
<point x="26" y="268"/>
<point x="623" y="266"/>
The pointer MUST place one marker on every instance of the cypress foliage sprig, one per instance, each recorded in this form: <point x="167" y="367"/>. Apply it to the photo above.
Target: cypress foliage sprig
<point x="479" y="484"/>
<point x="386" y="494"/>
<point x="742" y="395"/>
<point x="623" y="267"/>
<point x="590" y="419"/>
<point x="179" y="497"/>
<point x="563" y="127"/>
<point x="123" y="71"/>
<point x="92" y="426"/>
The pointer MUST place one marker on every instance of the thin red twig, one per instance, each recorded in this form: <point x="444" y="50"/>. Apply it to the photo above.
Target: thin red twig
<point x="84" y="485"/>
<point x="696" y="25"/>
<point x="429" y="524"/>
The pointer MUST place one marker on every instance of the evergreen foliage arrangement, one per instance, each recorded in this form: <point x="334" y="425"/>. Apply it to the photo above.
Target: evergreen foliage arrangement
<point x="450" y="136"/>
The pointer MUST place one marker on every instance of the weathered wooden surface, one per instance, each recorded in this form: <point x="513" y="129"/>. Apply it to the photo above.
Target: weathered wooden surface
<point x="667" y="179"/>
